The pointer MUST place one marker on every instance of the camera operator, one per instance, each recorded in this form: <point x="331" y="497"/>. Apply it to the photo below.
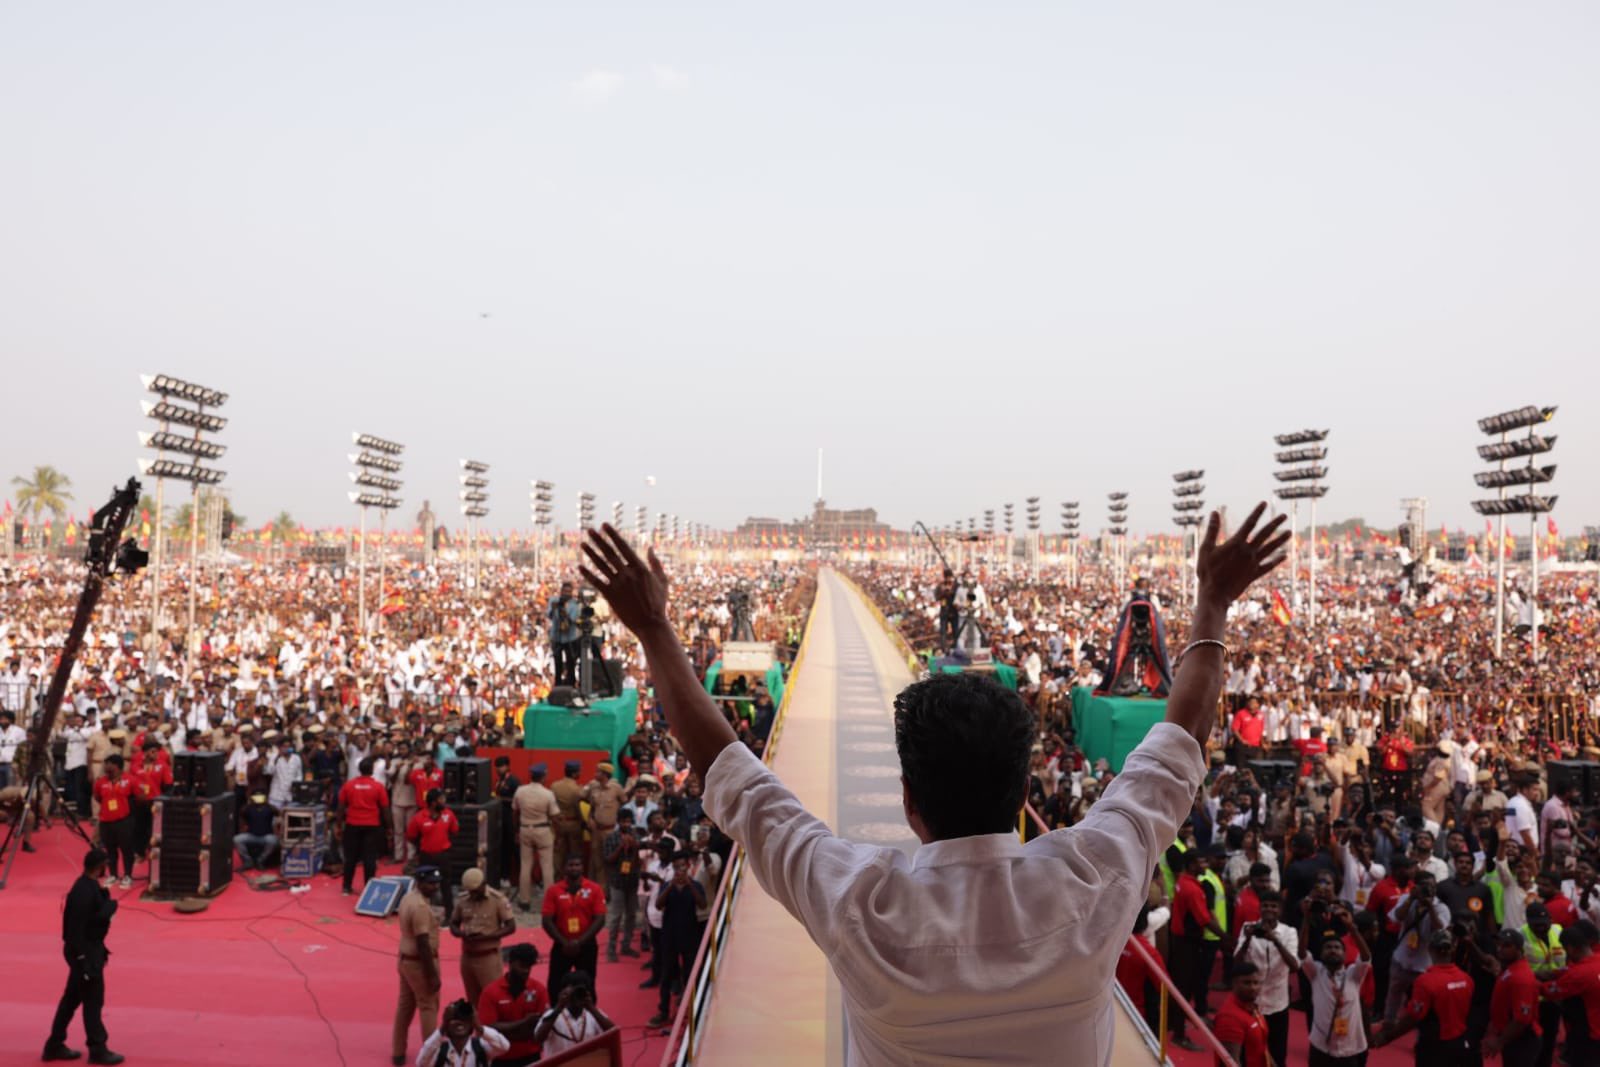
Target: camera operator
<point x="563" y="615"/>
<point x="948" y="615"/>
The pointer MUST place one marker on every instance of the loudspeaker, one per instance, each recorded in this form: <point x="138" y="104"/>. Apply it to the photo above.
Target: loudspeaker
<point x="466" y="781"/>
<point x="199" y="774"/>
<point x="191" y="844"/>
<point x="477" y="843"/>
<point x="562" y="696"/>
<point x="304" y="793"/>
<point x="1268" y="771"/>
<point x="1585" y="774"/>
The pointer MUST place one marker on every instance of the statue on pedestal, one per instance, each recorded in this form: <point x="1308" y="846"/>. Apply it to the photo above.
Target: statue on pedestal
<point x="425" y="519"/>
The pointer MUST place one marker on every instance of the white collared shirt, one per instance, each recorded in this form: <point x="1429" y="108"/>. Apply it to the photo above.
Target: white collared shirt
<point x="977" y="948"/>
<point x="1275" y="970"/>
<point x="492" y="1040"/>
<point x="1336" y="997"/>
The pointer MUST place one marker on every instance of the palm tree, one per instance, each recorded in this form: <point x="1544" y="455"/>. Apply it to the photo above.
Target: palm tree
<point x="47" y="491"/>
<point x="284" y="528"/>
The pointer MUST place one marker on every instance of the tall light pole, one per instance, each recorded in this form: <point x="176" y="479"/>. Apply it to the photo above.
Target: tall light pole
<point x="1069" y="530"/>
<point x="171" y="410"/>
<point x="1528" y="502"/>
<point x="641" y="522"/>
<point x="1305" y="483"/>
<point x="375" y="464"/>
<point x="1186" y="508"/>
<point x="474" y="505"/>
<point x="1033" y="537"/>
<point x="1117" y="511"/>
<point x="543" y="497"/>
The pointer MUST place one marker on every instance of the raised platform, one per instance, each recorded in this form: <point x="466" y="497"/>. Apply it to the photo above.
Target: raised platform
<point x="259" y="978"/>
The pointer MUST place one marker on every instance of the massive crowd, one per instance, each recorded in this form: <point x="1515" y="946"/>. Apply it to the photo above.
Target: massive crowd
<point x="282" y="680"/>
<point x="1389" y="837"/>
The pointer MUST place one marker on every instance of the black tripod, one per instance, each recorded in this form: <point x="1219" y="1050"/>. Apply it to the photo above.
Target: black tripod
<point x="32" y="807"/>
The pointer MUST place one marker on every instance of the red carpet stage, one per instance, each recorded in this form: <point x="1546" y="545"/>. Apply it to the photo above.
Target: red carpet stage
<point x="260" y="977"/>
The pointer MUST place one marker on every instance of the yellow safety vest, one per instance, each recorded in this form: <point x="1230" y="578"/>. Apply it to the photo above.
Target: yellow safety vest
<point x="1219" y="901"/>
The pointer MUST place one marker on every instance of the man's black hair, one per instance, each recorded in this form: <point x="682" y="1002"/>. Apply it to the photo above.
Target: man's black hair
<point x="1260" y="870"/>
<point x="1235" y="837"/>
<point x="367" y="764"/>
<point x="964" y="742"/>
<point x="1269" y="894"/>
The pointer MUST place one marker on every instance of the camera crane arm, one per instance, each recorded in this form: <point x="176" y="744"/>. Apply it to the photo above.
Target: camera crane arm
<point x="107" y="552"/>
<point x="920" y="525"/>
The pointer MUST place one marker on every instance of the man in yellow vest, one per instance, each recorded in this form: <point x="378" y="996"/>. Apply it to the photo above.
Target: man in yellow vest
<point x="1216" y="857"/>
<point x="1543" y="951"/>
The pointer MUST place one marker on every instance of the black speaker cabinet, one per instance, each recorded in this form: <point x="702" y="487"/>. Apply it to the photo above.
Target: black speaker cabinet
<point x="191" y="844"/>
<point x="562" y="696"/>
<point x="466" y="781"/>
<point x="477" y="843"/>
<point x="1585" y="774"/>
<point x="1269" y="771"/>
<point x="199" y="774"/>
<point x="304" y="793"/>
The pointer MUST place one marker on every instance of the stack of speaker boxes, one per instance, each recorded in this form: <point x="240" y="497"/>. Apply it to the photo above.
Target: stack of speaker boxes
<point x="477" y="843"/>
<point x="191" y="845"/>
<point x="1585" y="774"/>
<point x="305" y="840"/>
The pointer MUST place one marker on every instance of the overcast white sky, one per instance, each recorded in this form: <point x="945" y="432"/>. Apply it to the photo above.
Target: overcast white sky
<point x="975" y="251"/>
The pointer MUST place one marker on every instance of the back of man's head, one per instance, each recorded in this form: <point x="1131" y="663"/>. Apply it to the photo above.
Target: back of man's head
<point x="964" y="742"/>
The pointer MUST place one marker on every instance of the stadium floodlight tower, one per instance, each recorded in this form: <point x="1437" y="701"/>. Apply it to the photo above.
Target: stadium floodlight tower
<point x="1033" y="536"/>
<point x="542" y="496"/>
<point x="1527" y="501"/>
<point x="474" y="494"/>
<point x="1187" y="504"/>
<point x="173" y="408"/>
<point x="1302" y="471"/>
<point x="376" y="466"/>
<point x="1117" y="512"/>
<point x="641" y="522"/>
<point x="1069" y="530"/>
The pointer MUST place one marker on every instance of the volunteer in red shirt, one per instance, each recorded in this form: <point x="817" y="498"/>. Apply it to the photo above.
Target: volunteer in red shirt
<point x="365" y="804"/>
<point x="114" y="791"/>
<point x="1247" y="727"/>
<point x="574" y="912"/>
<point x="1239" y="1025"/>
<point x="428" y="776"/>
<point x="1514" y="1032"/>
<point x="1441" y="1000"/>
<point x="432" y="829"/>
<point x="1191" y="918"/>
<point x="513" y="1004"/>
<point x="1139" y="974"/>
<point x="151" y="775"/>
<point x="1580" y="981"/>
<point x="1310" y="748"/>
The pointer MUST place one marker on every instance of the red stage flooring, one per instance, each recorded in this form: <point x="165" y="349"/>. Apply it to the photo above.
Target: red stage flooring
<point x="260" y="977"/>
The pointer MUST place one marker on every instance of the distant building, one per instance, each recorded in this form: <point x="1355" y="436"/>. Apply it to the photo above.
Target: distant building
<point x="825" y="526"/>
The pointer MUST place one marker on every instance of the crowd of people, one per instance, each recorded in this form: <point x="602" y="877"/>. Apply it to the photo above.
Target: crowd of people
<point x="283" y="682"/>
<point x="1389" y="838"/>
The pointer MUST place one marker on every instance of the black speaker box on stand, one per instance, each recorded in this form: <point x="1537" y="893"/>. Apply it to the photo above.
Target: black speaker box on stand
<point x="466" y="781"/>
<point x="1269" y="771"/>
<point x="191" y="844"/>
<point x="477" y="843"/>
<point x="1585" y="774"/>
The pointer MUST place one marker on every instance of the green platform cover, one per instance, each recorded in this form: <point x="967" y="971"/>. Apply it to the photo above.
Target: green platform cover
<point x="1111" y="727"/>
<point x="1004" y="673"/>
<point x="604" y="726"/>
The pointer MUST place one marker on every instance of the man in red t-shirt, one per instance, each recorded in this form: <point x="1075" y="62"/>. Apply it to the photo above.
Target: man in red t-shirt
<point x="427" y="777"/>
<point x="1441" y="1000"/>
<point x="1191" y="918"/>
<point x="1247" y="727"/>
<point x="513" y="1005"/>
<point x="151" y="774"/>
<point x="431" y="830"/>
<point x="1139" y="973"/>
<point x="1581" y="979"/>
<point x="365" y="804"/>
<point x="1240" y="1025"/>
<point x="1310" y="748"/>
<point x="114" y="791"/>
<point x="574" y="912"/>
<point x="1514" y="1031"/>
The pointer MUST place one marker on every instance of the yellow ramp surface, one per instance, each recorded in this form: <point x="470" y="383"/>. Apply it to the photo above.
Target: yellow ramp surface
<point x="775" y="1001"/>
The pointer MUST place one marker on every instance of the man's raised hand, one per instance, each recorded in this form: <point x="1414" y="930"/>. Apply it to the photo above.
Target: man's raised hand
<point x="1227" y="568"/>
<point x="636" y="590"/>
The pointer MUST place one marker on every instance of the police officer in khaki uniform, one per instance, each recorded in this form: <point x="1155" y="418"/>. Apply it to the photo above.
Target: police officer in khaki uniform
<point x="419" y="962"/>
<point x="482" y="917"/>
<point x="605" y="797"/>
<point x="569" y="824"/>
<point x="536" y="808"/>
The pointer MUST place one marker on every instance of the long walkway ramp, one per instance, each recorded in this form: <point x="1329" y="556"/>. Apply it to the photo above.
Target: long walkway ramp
<point x="775" y="1001"/>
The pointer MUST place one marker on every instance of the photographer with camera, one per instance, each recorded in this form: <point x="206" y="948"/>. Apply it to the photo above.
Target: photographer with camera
<point x="575" y="1018"/>
<point x="461" y="1041"/>
<point x="1420" y="915"/>
<point x="563" y="615"/>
